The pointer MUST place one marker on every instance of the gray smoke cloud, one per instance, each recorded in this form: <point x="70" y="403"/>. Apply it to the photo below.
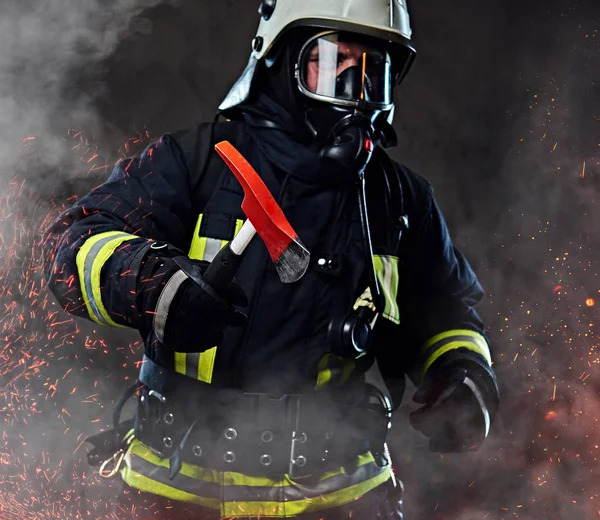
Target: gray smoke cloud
<point x="57" y="376"/>
<point x="45" y="46"/>
<point x="519" y="187"/>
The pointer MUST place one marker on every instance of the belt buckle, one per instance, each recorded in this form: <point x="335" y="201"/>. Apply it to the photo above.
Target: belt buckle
<point x="298" y="457"/>
<point x="300" y="467"/>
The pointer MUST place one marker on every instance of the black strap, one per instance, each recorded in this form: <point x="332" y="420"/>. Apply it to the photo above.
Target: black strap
<point x="106" y="443"/>
<point x="212" y="163"/>
<point x="395" y="211"/>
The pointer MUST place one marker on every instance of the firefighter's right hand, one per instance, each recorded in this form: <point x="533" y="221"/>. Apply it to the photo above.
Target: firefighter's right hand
<point x="185" y="313"/>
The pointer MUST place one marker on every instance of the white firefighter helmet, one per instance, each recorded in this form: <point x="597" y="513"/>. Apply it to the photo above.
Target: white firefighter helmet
<point x="385" y="20"/>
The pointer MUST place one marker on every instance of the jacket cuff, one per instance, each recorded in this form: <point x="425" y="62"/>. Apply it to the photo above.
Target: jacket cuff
<point x="467" y="350"/>
<point x="101" y="289"/>
<point x="452" y="341"/>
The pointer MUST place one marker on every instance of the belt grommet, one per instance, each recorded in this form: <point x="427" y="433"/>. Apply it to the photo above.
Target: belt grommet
<point x="300" y="461"/>
<point x="169" y="418"/>
<point x="197" y="451"/>
<point x="266" y="459"/>
<point x="229" y="457"/>
<point x="266" y="436"/>
<point x="300" y="437"/>
<point x="230" y="434"/>
<point x="168" y="442"/>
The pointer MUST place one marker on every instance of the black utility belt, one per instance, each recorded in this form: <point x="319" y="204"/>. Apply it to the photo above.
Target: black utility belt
<point x="255" y="434"/>
<point x="217" y="443"/>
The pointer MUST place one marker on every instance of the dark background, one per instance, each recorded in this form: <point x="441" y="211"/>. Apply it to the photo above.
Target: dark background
<point x="501" y="113"/>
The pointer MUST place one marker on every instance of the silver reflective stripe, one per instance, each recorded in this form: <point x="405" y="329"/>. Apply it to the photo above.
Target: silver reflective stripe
<point x="191" y="364"/>
<point x="280" y="491"/>
<point x="486" y="414"/>
<point x="164" y="302"/>
<point x="213" y="246"/>
<point x="387" y="273"/>
<point x="87" y="269"/>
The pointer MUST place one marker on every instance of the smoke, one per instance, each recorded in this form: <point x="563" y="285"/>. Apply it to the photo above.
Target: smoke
<point x="53" y="369"/>
<point x="524" y="209"/>
<point x="45" y="47"/>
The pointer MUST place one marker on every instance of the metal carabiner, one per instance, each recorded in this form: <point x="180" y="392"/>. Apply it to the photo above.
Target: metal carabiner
<point x="116" y="459"/>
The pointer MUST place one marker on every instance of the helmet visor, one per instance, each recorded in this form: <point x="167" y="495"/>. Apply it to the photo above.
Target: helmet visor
<point x="344" y="70"/>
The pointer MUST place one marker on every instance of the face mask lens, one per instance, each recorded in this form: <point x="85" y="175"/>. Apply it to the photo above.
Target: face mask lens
<point x="333" y="68"/>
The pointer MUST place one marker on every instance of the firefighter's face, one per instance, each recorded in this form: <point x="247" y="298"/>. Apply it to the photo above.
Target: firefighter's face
<point x="344" y="68"/>
<point x="349" y="54"/>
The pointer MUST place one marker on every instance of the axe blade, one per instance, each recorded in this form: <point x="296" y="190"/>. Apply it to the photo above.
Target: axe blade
<point x="290" y="256"/>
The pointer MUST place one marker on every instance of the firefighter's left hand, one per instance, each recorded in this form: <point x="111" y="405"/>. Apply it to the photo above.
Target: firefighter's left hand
<point x="457" y="409"/>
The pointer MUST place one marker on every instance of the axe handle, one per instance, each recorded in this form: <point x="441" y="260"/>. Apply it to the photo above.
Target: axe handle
<point x="227" y="261"/>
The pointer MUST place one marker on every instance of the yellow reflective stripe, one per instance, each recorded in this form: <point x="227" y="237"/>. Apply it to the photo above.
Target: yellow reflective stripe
<point x="452" y="340"/>
<point x="198" y="244"/>
<point x="473" y="336"/>
<point x="327" y="501"/>
<point x="90" y="259"/>
<point x="238" y="225"/>
<point x="206" y="364"/>
<point x="236" y="494"/>
<point x="200" y="366"/>
<point x="196" y="365"/>
<point x="147" y="485"/>
<point x="332" y="367"/>
<point x="139" y="449"/>
<point x="386" y="267"/>
<point x="180" y="362"/>
<point x="323" y="372"/>
<point x="453" y="333"/>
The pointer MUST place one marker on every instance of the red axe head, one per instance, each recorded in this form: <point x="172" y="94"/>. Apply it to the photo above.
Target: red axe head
<point x="288" y="253"/>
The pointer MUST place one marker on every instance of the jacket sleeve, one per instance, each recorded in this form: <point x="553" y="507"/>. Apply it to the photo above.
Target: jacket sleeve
<point x="437" y="295"/>
<point x="90" y="247"/>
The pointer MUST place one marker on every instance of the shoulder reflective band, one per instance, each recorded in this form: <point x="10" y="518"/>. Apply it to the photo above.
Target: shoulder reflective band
<point x="386" y="268"/>
<point x="452" y="340"/>
<point x="238" y="495"/>
<point x="205" y="248"/>
<point x="90" y="259"/>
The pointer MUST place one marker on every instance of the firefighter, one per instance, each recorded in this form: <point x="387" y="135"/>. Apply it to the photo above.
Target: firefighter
<point x="252" y="400"/>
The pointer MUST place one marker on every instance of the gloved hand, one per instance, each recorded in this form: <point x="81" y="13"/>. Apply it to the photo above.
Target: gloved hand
<point x="185" y="313"/>
<point x="460" y="400"/>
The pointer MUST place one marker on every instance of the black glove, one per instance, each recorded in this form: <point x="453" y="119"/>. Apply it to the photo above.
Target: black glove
<point x="185" y="313"/>
<point x="460" y="400"/>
